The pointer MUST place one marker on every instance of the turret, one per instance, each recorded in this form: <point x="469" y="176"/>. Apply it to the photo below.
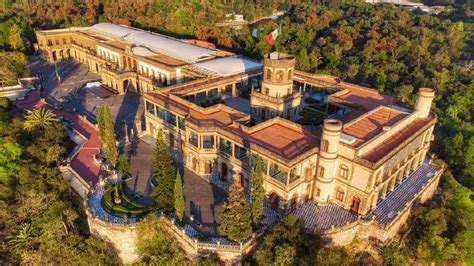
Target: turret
<point x="278" y="74"/>
<point x="327" y="162"/>
<point x="423" y="102"/>
<point x="276" y="96"/>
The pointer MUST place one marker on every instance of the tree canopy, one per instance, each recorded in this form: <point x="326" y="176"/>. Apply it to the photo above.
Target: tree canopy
<point x="164" y="174"/>
<point x="42" y="223"/>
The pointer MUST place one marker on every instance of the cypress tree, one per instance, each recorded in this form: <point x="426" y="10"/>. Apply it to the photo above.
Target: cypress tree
<point x="124" y="164"/>
<point x="235" y="219"/>
<point x="257" y="191"/>
<point x="164" y="172"/>
<point x="109" y="136"/>
<point x="100" y="122"/>
<point x="179" y="203"/>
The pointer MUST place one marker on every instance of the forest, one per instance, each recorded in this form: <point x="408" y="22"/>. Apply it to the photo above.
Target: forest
<point x="393" y="50"/>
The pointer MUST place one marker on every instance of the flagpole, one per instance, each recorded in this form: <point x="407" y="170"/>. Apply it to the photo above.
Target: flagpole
<point x="58" y="78"/>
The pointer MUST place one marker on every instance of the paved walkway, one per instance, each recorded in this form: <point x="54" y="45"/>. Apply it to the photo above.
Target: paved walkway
<point x="203" y="200"/>
<point x="83" y="163"/>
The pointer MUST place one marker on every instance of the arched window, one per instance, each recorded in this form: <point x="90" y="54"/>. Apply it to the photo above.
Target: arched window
<point x="344" y="171"/>
<point x="321" y="171"/>
<point x="355" y="204"/>
<point x="325" y="145"/>
<point x="290" y="73"/>
<point x="269" y="74"/>
<point x="279" y="75"/>
<point x="340" y="194"/>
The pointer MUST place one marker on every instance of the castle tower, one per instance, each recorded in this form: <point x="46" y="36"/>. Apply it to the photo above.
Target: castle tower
<point x="327" y="160"/>
<point x="276" y="96"/>
<point x="423" y="102"/>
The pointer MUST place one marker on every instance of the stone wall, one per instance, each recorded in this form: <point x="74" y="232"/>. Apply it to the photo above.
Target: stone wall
<point x="122" y="237"/>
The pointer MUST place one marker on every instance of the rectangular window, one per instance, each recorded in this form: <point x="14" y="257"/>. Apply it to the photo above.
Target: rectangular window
<point x="208" y="142"/>
<point x="225" y="146"/>
<point x="150" y="108"/>
<point x="193" y="139"/>
<point x="171" y="118"/>
<point x="181" y="123"/>
<point x="344" y="172"/>
<point x="160" y="112"/>
<point x="340" y="195"/>
<point x="321" y="172"/>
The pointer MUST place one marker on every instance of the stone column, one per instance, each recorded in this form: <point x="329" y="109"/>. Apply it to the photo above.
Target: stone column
<point x="234" y="90"/>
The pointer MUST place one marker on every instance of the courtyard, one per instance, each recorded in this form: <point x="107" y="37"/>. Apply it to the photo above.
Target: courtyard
<point x="72" y="96"/>
<point x="203" y="200"/>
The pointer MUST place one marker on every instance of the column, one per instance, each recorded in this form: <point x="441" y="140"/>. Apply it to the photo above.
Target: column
<point x="384" y="193"/>
<point x="392" y="183"/>
<point x="234" y="90"/>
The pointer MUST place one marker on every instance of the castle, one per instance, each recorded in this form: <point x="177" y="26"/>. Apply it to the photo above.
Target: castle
<point x="334" y="153"/>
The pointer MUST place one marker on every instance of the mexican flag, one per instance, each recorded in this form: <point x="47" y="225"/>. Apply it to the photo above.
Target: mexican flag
<point x="58" y="78"/>
<point x="273" y="35"/>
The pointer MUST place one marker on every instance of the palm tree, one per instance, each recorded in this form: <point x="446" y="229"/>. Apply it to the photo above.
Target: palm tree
<point x="23" y="236"/>
<point x="40" y="118"/>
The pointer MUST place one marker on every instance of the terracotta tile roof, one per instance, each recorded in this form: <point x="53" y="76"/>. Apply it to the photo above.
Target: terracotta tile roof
<point x="369" y="99"/>
<point x="284" y="141"/>
<point x="395" y="140"/>
<point x="219" y="118"/>
<point x="277" y="138"/>
<point x="371" y="124"/>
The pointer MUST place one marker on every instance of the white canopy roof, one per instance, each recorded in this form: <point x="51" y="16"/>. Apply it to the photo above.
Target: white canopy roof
<point x="142" y="51"/>
<point x="226" y="66"/>
<point x="113" y="30"/>
<point x="170" y="46"/>
<point x="156" y="42"/>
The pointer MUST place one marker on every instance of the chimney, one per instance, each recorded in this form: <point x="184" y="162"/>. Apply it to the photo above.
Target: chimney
<point x="423" y="102"/>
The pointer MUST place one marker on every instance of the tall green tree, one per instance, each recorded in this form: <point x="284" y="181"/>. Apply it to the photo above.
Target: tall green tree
<point x="108" y="134"/>
<point x="124" y="164"/>
<point x="156" y="245"/>
<point x="335" y="256"/>
<point x="101" y="122"/>
<point x="287" y="243"/>
<point x="179" y="203"/>
<point x="257" y="191"/>
<point x="236" y="217"/>
<point x="15" y="39"/>
<point x="164" y="174"/>
<point x="10" y="159"/>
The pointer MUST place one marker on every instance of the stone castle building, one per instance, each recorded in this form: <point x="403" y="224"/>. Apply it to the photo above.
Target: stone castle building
<point x="333" y="152"/>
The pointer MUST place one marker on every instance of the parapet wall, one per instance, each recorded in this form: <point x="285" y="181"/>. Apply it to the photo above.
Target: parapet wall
<point x="122" y="237"/>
